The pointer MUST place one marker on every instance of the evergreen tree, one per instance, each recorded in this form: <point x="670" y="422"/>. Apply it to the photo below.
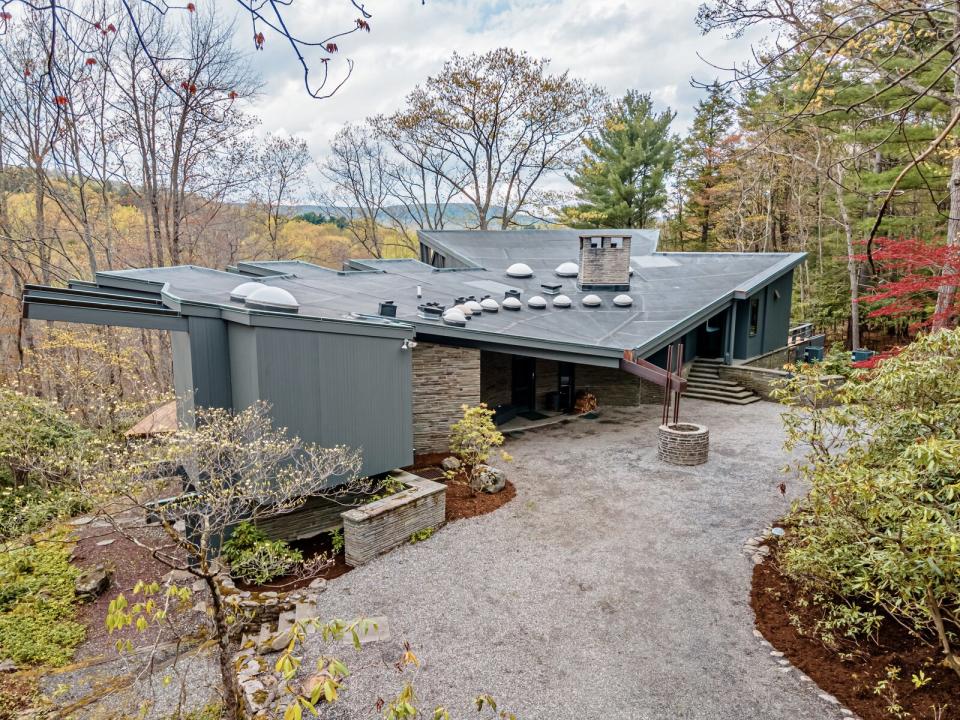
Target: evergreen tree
<point x="704" y="152"/>
<point x="621" y="179"/>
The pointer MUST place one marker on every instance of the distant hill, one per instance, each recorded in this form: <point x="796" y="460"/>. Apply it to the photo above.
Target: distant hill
<point x="457" y="217"/>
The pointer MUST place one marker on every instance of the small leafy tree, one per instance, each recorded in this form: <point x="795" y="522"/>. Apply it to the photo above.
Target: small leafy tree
<point x="239" y="468"/>
<point x="473" y="437"/>
<point x="880" y="528"/>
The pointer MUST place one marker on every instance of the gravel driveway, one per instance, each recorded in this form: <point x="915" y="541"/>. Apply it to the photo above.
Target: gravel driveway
<point x="612" y="586"/>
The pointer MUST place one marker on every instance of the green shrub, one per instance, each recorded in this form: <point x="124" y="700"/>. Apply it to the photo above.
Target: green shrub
<point x="254" y="558"/>
<point x="37" y="603"/>
<point x="389" y="486"/>
<point x="27" y="509"/>
<point x="878" y="529"/>
<point x="337" y="541"/>
<point x="421" y="535"/>
<point x="37" y="439"/>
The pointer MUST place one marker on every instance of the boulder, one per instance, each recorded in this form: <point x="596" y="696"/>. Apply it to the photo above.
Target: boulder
<point x="313" y="682"/>
<point x="92" y="582"/>
<point x="450" y="464"/>
<point x="489" y="479"/>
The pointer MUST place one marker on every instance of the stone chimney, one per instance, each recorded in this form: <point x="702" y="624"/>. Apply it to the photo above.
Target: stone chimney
<point x="604" y="262"/>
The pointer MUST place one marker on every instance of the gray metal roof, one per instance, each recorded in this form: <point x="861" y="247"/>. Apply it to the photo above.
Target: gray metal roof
<point x="671" y="292"/>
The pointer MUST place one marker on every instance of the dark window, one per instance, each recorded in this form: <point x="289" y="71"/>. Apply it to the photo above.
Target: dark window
<point x="595" y="242"/>
<point x="754" y="316"/>
<point x="616" y="242"/>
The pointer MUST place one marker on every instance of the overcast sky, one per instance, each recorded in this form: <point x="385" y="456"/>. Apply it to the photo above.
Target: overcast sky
<point x="648" y="45"/>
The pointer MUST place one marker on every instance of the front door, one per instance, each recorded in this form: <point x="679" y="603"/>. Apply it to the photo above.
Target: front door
<point x="524" y="387"/>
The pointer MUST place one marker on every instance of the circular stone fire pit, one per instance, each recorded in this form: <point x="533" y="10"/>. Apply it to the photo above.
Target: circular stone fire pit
<point x="683" y="443"/>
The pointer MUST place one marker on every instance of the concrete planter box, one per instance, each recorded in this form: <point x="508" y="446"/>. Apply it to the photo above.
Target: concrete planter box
<point x="373" y="529"/>
<point x="683" y="444"/>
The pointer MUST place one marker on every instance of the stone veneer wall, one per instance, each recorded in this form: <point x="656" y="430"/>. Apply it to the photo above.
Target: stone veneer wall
<point x="373" y="529"/>
<point x="773" y="360"/>
<point x="612" y="386"/>
<point x="444" y="378"/>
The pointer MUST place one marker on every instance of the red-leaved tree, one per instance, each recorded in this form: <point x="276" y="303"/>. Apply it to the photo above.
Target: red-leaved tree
<point x="910" y="274"/>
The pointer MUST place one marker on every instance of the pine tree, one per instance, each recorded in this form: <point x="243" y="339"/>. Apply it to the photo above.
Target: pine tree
<point x="705" y="150"/>
<point x="621" y="179"/>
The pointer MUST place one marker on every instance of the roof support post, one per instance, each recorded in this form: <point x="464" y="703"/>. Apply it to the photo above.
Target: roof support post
<point x="730" y="334"/>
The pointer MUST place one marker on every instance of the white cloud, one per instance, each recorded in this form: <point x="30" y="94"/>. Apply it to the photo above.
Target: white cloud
<point x="651" y="46"/>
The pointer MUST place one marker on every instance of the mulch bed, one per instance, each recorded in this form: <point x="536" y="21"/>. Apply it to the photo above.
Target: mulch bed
<point x="462" y="502"/>
<point x="129" y="563"/>
<point x="853" y="677"/>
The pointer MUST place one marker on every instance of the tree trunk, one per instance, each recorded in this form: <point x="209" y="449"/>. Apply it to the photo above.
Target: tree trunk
<point x="852" y="269"/>
<point x="228" y="675"/>
<point x="947" y="292"/>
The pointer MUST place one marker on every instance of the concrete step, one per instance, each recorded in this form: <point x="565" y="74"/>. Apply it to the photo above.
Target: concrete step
<point x="712" y="382"/>
<point x="735" y="394"/>
<point x="704" y="374"/>
<point x="700" y="395"/>
<point x="708" y="361"/>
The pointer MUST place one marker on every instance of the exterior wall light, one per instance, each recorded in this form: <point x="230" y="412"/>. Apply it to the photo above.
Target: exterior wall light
<point x="408" y="344"/>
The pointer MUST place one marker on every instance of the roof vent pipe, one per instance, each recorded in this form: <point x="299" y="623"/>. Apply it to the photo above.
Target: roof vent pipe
<point x="419" y="291"/>
<point x="512" y="292"/>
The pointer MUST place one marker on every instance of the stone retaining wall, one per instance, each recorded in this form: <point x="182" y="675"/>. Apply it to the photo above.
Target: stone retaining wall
<point x="762" y="380"/>
<point x="444" y="379"/>
<point x="683" y="444"/>
<point x="375" y="528"/>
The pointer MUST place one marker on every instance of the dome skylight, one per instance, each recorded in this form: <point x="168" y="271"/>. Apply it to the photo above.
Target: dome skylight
<point x="537" y="302"/>
<point x="519" y="270"/>
<point x="512" y="303"/>
<point x="474" y="307"/>
<point x="454" y="316"/>
<point x="623" y="301"/>
<point x="592" y="301"/>
<point x="567" y="269"/>
<point x="240" y="292"/>
<point x="266" y="297"/>
<point x="561" y="301"/>
<point x="490" y="305"/>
